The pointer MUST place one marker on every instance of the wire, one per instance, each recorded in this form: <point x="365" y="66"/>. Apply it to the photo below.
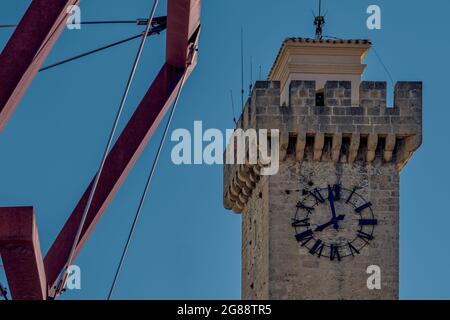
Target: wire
<point x="331" y="37"/>
<point x="155" y="30"/>
<point x="147" y="186"/>
<point x="137" y="21"/>
<point x="242" y="68"/>
<point x="110" y="22"/>
<point x="105" y="154"/>
<point x="384" y="66"/>
<point x="250" y="87"/>
<point x="82" y="55"/>
<point x="232" y="106"/>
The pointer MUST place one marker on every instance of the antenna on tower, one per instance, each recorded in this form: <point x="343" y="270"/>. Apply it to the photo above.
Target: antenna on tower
<point x="319" y="22"/>
<point x="242" y="68"/>
<point x="250" y="87"/>
<point x="232" y="107"/>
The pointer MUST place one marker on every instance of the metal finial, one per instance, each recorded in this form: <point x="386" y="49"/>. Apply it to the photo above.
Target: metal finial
<point x="319" y="22"/>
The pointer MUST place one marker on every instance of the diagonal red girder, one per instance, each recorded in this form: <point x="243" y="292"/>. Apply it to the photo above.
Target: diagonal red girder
<point x="27" y="49"/>
<point x="21" y="254"/>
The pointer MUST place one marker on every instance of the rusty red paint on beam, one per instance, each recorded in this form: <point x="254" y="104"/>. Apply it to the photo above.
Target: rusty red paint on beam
<point x="21" y="254"/>
<point x="27" y="50"/>
<point x="183" y="20"/>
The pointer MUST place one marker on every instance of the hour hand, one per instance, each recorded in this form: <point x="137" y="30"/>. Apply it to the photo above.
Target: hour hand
<point x="329" y="223"/>
<point x="324" y="226"/>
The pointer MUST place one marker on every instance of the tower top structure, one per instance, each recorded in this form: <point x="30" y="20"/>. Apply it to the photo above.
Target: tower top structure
<point x="320" y="60"/>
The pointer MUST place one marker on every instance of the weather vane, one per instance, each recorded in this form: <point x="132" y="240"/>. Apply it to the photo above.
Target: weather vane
<point x="319" y="21"/>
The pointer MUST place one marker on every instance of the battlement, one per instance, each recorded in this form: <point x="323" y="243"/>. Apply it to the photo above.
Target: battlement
<point x="334" y="130"/>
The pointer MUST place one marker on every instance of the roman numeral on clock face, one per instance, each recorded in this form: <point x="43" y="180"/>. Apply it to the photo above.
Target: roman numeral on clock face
<point x="364" y="206"/>
<point x="301" y="205"/>
<point x="334" y="253"/>
<point x="317" y="248"/>
<point x="304" y="237"/>
<point x="317" y="195"/>
<point x="300" y="223"/>
<point x="365" y="236"/>
<point x="336" y="189"/>
<point x="351" y="195"/>
<point x="368" y="222"/>
<point x="353" y="250"/>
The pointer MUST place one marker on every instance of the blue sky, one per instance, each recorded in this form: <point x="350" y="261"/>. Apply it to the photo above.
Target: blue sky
<point x="186" y="245"/>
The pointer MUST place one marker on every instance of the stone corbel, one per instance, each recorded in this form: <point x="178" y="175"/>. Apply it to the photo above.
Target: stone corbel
<point x="354" y="146"/>
<point x="372" y="142"/>
<point x="336" y="147"/>
<point x="389" y="147"/>
<point x="300" y="146"/>
<point x="319" y="142"/>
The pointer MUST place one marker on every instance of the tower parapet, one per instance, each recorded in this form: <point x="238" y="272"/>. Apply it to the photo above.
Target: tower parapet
<point x="336" y="131"/>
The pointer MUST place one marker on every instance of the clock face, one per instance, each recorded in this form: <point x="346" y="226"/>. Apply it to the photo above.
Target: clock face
<point x="334" y="222"/>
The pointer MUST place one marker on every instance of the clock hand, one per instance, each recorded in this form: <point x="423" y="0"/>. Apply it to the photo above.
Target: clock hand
<point x="324" y="226"/>
<point x="333" y="209"/>
<point x="329" y="223"/>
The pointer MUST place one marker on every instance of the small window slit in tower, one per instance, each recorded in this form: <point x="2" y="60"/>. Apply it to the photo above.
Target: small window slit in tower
<point x="291" y="144"/>
<point x="328" y="144"/>
<point x="320" y="98"/>
<point x="309" y="147"/>
<point x="399" y="142"/>
<point x="380" y="147"/>
<point x="362" y="151"/>
<point x="345" y="148"/>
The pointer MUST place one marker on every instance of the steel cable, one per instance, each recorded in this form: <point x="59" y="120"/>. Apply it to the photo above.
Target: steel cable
<point x="146" y="188"/>
<point x="71" y="256"/>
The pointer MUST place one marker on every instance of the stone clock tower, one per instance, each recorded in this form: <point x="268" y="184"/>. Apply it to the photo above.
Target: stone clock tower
<point x="312" y="230"/>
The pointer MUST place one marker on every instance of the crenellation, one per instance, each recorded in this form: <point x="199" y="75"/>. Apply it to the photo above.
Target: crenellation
<point x="302" y="93"/>
<point x="408" y="99"/>
<point x="338" y="93"/>
<point x="372" y="95"/>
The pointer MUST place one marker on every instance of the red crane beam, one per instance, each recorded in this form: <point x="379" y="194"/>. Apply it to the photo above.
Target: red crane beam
<point x="21" y="253"/>
<point x="183" y="20"/>
<point x="27" y="49"/>
<point x="183" y="28"/>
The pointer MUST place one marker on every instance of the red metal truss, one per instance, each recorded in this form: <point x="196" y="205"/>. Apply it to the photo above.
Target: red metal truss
<point x="21" y="253"/>
<point x="27" y="49"/>
<point x="183" y="21"/>
<point x="183" y="27"/>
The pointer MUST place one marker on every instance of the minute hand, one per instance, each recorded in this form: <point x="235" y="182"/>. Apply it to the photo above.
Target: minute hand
<point x="333" y="210"/>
